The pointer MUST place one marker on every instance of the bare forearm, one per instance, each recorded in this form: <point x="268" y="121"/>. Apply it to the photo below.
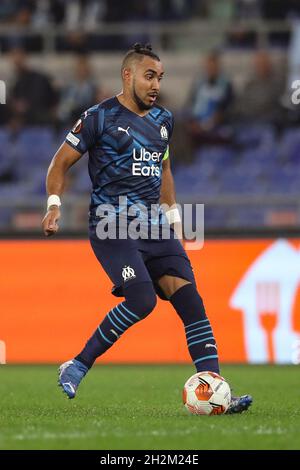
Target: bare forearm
<point x="64" y="158"/>
<point x="167" y="196"/>
<point x="167" y="193"/>
<point x="55" y="180"/>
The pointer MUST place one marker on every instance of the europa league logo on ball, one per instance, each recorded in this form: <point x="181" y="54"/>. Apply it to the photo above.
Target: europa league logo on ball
<point x="2" y="92"/>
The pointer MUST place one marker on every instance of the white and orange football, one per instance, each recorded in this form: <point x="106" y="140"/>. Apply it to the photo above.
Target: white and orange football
<point x="206" y="393"/>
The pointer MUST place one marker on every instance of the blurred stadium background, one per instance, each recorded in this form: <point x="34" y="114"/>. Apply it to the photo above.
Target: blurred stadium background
<point x="230" y="66"/>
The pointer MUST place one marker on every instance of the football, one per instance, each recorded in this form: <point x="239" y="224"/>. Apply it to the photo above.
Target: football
<point x="206" y="393"/>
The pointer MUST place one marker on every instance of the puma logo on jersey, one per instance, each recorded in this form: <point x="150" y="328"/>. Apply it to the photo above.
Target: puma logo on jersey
<point x="124" y="130"/>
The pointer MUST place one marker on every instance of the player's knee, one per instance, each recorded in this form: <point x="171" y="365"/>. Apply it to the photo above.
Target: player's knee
<point x="145" y="302"/>
<point x="149" y="301"/>
<point x="189" y="304"/>
<point x="196" y="299"/>
<point x="196" y="303"/>
<point x="141" y="298"/>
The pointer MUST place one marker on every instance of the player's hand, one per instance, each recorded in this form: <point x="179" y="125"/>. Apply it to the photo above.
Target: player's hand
<point x="50" y="221"/>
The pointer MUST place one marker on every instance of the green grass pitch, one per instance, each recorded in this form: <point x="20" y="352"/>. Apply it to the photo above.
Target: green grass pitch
<point x="139" y="407"/>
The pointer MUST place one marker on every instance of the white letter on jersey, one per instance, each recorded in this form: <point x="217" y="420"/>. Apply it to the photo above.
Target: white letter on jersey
<point x="296" y="94"/>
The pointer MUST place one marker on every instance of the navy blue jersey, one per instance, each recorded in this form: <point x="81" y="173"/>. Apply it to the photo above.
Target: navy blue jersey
<point x="125" y="152"/>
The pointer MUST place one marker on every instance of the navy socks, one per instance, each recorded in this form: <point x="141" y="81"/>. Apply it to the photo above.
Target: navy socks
<point x="138" y="304"/>
<point x="200" y="339"/>
<point x="140" y="301"/>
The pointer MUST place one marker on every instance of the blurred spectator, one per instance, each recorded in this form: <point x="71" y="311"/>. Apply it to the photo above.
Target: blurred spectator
<point x="277" y="10"/>
<point x="294" y="9"/>
<point x="140" y="12"/>
<point x="73" y="41"/>
<point x="115" y="10"/>
<point x="85" y="13"/>
<point x="48" y="12"/>
<point x="78" y="95"/>
<point x="241" y="35"/>
<point x="221" y="9"/>
<point x="247" y="9"/>
<point x="210" y="97"/>
<point x="8" y="10"/>
<point x="18" y="11"/>
<point x="177" y="10"/>
<point x="32" y="98"/>
<point x="20" y="17"/>
<point x="260" y="98"/>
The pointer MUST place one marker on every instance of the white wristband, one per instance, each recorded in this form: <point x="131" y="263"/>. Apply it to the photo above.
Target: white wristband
<point x="173" y="216"/>
<point x="53" y="200"/>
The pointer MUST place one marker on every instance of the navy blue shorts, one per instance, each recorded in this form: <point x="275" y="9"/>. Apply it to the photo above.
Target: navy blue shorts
<point x="129" y="262"/>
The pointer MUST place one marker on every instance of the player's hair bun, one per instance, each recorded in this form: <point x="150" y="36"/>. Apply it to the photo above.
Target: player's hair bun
<point x="137" y="47"/>
<point x="140" y="49"/>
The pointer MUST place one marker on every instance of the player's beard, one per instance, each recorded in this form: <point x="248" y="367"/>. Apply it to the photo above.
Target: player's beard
<point x="140" y="103"/>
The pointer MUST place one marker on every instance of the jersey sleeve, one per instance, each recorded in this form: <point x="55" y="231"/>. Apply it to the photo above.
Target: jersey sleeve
<point x="170" y="124"/>
<point x="86" y="131"/>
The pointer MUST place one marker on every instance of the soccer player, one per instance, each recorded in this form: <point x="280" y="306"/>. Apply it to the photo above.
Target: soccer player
<point x="127" y="137"/>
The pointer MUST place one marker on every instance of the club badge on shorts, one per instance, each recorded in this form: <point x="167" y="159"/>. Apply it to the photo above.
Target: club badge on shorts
<point x="128" y="273"/>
